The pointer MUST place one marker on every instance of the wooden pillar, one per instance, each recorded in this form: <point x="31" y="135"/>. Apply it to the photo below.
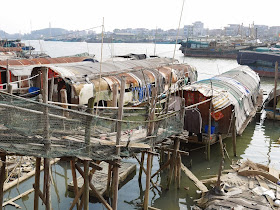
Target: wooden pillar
<point x="118" y="138"/>
<point x="173" y="162"/>
<point x="47" y="141"/>
<point x="2" y="179"/>
<point x="86" y="162"/>
<point x="234" y="135"/>
<point x="86" y="184"/>
<point x="148" y="177"/>
<point x="275" y="88"/>
<point x="151" y="125"/>
<point x="178" y="170"/>
<point x="37" y="183"/>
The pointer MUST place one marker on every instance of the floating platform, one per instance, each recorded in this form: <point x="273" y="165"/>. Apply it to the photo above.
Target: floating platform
<point x="99" y="178"/>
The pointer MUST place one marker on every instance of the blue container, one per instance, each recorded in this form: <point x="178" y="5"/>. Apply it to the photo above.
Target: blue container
<point x="212" y="129"/>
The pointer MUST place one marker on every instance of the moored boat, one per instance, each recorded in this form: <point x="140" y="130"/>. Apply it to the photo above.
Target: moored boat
<point x="232" y="98"/>
<point x="261" y="62"/>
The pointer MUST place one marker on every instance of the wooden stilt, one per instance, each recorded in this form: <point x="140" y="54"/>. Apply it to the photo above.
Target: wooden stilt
<point x="162" y="168"/>
<point x="141" y="164"/>
<point x="47" y="183"/>
<point x="37" y="183"/>
<point x="148" y="177"/>
<point x="234" y="136"/>
<point x="2" y="179"/>
<point x="209" y="131"/>
<point x="173" y="162"/>
<point x="118" y="138"/>
<point x="86" y="185"/>
<point x="47" y="192"/>
<point x="74" y="175"/>
<point x="178" y="170"/>
<point x="108" y="191"/>
<point x="115" y="104"/>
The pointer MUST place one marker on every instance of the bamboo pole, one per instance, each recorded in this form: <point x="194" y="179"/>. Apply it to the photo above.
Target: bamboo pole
<point x="86" y="185"/>
<point x="178" y="170"/>
<point x="47" y="140"/>
<point x="148" y="177"/>
<point x="115" y="104"/>
<point x="209" y="131"/>
<point x="37" y="183"/>
<point x="151" y="125"/>
<point x="2" y="179"/>
<point x="275" y="88"/>
<point x="118" y="138"/>
<point x="8" y="74"/>
<point x="234" y="135"/>
<point x="173" y="162"/>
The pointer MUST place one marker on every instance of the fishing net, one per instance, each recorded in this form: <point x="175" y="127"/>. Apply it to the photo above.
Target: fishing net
<point x="32" y="128"/>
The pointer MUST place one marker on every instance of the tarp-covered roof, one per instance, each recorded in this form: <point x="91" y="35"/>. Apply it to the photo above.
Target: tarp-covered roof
<point x="238" y="87"/>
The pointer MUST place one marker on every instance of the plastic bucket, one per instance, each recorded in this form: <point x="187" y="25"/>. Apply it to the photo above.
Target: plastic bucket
<point x="212" y="129"/>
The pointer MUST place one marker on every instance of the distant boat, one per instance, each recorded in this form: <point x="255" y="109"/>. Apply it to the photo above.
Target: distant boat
<point x="269" y="103"/>
<point x="261" y="62"/>
<point x="212" y="49"/>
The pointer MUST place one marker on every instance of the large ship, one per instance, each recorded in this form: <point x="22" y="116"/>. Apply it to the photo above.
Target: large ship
<point x="213" y="48"/>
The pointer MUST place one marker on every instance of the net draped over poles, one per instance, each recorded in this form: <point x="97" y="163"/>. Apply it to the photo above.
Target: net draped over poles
<point x="22" y="127"/>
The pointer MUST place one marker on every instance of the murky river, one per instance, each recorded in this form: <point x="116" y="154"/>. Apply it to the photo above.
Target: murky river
<point x="259" y="141"/>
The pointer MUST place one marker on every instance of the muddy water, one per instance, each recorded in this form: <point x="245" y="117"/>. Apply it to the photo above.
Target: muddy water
<point x="259" y="141"/>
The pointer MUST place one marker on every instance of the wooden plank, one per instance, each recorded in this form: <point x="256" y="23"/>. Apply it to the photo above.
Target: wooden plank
<point x="197" y="183"/>
<point x="256" y="173"/>
<point x="264" y="185"/>
<point x="18" y="197"/>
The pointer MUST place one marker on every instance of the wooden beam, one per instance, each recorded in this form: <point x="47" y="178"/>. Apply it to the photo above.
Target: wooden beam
<point x="77" y="197"/>
<point x="74" y="175"/>
<point x="86" y="185"/>
<point x="11" y="201"/>
<point x="148" y="178"/>
<point x="198" y="183"/>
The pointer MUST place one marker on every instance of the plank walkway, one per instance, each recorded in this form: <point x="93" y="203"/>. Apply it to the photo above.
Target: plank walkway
<point x="99" y="179"/>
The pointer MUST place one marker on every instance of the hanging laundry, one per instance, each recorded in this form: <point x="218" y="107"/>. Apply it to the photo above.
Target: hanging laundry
<point x="193" y="121"/>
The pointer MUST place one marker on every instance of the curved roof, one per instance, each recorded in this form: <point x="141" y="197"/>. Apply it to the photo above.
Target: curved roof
<point x="238" y="87"/>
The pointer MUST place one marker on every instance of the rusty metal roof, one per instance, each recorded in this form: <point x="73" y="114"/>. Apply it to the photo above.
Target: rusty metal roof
<point x="39" y="61"/>
<point x="10" y="49"/>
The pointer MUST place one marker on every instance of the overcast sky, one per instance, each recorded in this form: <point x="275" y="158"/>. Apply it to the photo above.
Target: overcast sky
<point x="26" y="15"/>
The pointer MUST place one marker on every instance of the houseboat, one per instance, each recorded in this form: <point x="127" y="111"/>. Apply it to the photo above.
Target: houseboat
<point x="231" y="98"/>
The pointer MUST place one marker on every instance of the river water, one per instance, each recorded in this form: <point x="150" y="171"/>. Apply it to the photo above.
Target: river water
<point x="259" y="142"/>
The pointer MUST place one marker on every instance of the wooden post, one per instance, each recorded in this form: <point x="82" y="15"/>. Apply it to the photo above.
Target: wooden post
<point x="63" y="96"/>
<point x="173" y="162"/>
<point x="108" y="189"/>
<point x="2" y="178"/>
<point x="115" y="103"/>
<point x="86" y="162"/>
<point x="118" y="138"/>
<point x="151" y="124"/>
<point x="209" y="131"/>
<point x="148" y="177"/>
<point x="37" y="183"/>
<point x="86" y="185"/>
<point x="141" y="164"/>
<point x="47" y="140"/>
<point x="179" y="170"/>
<point x="275" y="88"/>
<point x="234" y="135"/>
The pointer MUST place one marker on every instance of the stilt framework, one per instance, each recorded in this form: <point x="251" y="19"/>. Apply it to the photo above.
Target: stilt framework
<point x="32" y="128"/>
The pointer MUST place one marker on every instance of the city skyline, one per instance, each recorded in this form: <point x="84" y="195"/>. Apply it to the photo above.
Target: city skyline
<point x="34" y="15"/>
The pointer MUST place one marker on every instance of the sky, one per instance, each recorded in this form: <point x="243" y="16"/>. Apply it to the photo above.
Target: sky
<point x="22" y="16"/>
